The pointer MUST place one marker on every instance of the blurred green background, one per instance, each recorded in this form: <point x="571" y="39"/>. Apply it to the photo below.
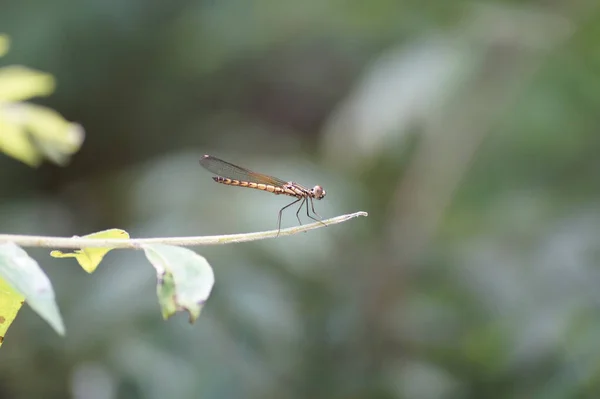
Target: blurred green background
<point x="468" y="130"/>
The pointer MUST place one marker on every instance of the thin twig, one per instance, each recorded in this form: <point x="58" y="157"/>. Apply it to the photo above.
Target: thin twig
<point x="136" y="243"/>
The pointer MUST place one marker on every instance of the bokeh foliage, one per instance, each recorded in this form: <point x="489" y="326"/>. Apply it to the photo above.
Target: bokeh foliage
<point x="467" y="130"/>
<point x="31" y="133"/>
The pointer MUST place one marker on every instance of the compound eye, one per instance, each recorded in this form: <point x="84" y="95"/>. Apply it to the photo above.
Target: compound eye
<point x="318" y="192"/>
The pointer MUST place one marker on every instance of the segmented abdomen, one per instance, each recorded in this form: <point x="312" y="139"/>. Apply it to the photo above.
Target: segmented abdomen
<point x="257" y="186"/>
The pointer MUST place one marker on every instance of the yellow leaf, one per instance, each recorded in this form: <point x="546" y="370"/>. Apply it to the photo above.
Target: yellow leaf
<point x="15" y="143"/>
<point x="34" y="132"/>
<point x="4" y="44"/>
<point x="90" y="258"/>
<point x="18" y="83"/>
<point x="10" y="303"/>
<point x="56" y="137"/>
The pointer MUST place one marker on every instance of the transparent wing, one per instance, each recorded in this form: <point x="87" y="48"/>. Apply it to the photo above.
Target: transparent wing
<point x="231" y="171"/>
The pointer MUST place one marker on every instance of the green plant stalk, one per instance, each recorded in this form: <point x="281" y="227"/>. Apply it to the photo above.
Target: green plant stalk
<point x="137" y="243"/>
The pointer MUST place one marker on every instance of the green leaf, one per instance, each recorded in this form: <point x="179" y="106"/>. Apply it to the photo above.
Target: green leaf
<point x="26" y="277"/>
<point x="10" y="304"/>
<point x="90" y="258"/>
<point x="185" y="279"/>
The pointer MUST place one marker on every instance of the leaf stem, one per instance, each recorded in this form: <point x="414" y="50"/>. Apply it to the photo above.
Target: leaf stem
<point x="137" y="243"/>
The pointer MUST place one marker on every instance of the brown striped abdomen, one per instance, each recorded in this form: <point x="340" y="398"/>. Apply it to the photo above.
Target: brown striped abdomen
<point x="257" y="186"/>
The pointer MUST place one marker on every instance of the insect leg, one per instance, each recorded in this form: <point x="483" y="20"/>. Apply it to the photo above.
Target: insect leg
<point x="298" y="211"/>
<point x="280" y="212"/>
<point x="312" y="205"/>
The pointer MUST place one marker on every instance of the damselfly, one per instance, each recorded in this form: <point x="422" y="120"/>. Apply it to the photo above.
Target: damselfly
<point x="232" y="175"/>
